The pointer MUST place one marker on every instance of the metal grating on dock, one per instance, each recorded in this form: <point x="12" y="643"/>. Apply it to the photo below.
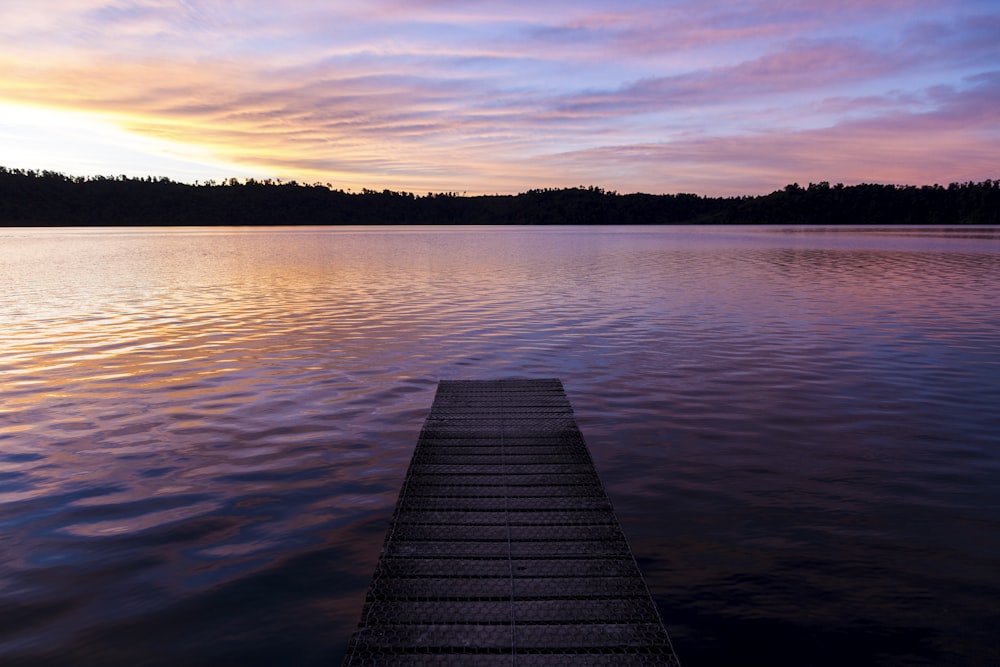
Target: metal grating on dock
<point x="503" y="548"/>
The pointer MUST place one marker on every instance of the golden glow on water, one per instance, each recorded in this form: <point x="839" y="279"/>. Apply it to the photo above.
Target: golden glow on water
<point x="204" y="410"/>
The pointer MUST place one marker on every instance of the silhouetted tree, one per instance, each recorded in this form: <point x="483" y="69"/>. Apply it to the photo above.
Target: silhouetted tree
<point x="30" y="197"/>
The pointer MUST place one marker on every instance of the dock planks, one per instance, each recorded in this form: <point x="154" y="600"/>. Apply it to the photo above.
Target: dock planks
<point x="504" y="548"/>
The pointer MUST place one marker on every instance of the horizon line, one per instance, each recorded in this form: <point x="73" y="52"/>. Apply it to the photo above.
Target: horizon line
<point x="278" y="182"/>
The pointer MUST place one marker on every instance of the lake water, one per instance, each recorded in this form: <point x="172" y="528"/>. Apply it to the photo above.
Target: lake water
<point x="203" y="431"/>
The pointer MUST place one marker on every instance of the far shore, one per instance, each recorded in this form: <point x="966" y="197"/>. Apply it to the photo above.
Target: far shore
<point x="44" y="198"/>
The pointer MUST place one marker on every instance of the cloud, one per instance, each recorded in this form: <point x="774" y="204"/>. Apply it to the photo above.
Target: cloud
<point x="448" y="95"/>
<point x="801" y="68"/>
<point x="958" y="141"/>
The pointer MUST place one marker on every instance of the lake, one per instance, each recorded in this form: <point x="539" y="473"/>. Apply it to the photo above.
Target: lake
<point x="203" y="430"/>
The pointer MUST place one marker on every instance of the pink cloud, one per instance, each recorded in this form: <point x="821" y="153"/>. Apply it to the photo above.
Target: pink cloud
<point x="487" y="92"/>
<point x="799" y="68"/>
<point x="957" y="142"/>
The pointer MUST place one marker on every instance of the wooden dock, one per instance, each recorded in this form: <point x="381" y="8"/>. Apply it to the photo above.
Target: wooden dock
<point x="503" y="548"/>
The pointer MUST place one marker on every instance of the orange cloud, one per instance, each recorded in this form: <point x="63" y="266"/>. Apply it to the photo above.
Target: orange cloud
<point x="439" y="95"/>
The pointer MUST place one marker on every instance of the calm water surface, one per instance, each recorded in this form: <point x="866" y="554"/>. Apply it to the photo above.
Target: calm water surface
<point x="203" y="431"/>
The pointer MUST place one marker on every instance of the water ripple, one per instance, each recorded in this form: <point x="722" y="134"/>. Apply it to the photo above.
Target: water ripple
<point x="202" y="432"/>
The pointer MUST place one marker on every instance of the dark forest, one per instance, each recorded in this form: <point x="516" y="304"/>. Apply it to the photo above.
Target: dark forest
<point x="46" y="198"/>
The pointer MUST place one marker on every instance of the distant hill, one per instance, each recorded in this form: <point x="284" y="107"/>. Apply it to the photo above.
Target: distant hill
<point x="45" y="198"/>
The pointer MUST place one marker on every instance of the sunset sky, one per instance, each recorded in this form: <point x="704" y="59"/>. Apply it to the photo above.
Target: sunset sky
<point x="480" y="97"/>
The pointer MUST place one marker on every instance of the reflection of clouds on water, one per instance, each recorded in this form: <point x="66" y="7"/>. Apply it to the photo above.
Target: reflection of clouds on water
<point x="203" y="432"/>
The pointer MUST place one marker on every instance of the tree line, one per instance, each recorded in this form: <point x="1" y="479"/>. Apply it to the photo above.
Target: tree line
<point x="43" y="198"/>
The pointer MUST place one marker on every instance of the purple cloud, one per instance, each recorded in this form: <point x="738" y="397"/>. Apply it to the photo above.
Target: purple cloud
<point x="956" y="142"/>
<point x="505" y="96"/>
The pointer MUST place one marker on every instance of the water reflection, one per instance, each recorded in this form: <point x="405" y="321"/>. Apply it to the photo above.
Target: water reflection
<point x="202" y="432"/>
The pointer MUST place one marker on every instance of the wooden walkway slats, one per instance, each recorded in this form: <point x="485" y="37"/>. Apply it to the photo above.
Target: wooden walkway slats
<point x="503" y="548"/>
